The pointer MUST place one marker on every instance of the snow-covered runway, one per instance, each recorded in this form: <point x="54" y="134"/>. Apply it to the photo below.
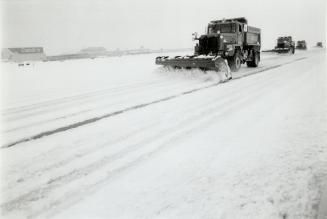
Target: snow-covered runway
<point x="156" y="144"/>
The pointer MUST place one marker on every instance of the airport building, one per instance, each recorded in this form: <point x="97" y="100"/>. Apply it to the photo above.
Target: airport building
<point x="23" y="54"/>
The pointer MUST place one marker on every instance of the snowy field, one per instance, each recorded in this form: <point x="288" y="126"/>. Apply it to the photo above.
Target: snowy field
<point x="120" y="137"/>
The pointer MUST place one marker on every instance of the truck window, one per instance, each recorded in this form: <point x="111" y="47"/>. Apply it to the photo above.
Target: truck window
<point x="210" y="30"/>
<point x="228" y="28"/>
<point x="222" y="28"/>
<point x="213" y="29"/>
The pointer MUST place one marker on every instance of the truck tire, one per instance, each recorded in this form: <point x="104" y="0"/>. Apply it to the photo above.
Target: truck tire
<point x="235" y="62"/>
<point x="255" y="61"/>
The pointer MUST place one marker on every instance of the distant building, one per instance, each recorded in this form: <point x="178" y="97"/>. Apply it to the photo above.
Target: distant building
<point x="98" y="51"/>
<point x="23" y="54"/>
<point x="141" y="50"/>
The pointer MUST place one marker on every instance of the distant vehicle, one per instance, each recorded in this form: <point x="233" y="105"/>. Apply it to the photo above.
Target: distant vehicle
<point x="285" y="44"/>
<point x="227" y="39"/>
<point x="319" y="44"/>
<point x="301" y="44"/>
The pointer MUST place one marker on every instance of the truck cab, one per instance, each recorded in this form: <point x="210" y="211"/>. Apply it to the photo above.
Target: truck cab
<point x="233" y="32"/>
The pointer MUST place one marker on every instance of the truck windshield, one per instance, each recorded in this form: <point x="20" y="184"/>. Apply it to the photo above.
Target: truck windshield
<point x="282" y="39"/>
<point x="222" y="28"/>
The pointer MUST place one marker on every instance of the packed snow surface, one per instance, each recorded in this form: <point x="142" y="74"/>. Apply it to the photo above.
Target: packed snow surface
<point x="121" y="137"/>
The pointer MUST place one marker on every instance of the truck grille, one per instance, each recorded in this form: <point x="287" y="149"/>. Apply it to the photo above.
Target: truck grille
<point x="280" y="45"/>
<point x="209" y="45"/>
<point x="213" y="44"/>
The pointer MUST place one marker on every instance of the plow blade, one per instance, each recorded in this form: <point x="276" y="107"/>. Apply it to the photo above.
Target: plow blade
<point x="215" y="63"/>
<point x="280" y="50"/>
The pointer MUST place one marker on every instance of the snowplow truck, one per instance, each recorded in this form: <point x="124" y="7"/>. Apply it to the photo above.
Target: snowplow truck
<point x="285" y="45"/>
<point x="319" y="44"/>
<point x="301" y="44"/>
<point x="226" y="43"/>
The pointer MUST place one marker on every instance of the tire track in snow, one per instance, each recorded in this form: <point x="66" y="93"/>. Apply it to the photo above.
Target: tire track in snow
<point x="74" y="196"/>
<point x="183" y="128"/>
<point x="58" y="105"/>
<point x="226" y="95"/>
<point x="95" y="119"/>
<point x="222" y="101"/>
<point x="121" y="100"/>
<point x="75" y="174"/>
<point x="65" y="99"/>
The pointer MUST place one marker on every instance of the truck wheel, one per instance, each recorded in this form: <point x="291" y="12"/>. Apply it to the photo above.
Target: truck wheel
<point x="235" y="62"/>
<point x="255" y="61"/>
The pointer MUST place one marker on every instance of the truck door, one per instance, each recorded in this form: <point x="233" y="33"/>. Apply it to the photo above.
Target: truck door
<point x="240" y="35"/>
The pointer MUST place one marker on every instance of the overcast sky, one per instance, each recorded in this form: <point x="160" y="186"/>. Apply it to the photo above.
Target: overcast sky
<point x="70" y="25"/>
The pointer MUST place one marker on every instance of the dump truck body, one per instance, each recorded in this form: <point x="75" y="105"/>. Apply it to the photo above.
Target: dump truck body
<point x="229" y="39"/>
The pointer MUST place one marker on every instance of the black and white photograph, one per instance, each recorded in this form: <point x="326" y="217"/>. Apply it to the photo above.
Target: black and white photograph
<point x="163" y="109"/>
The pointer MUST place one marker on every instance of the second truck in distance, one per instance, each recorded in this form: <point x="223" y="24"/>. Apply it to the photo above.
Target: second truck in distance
<point x="285" y="45"/>
<point x="301" y="44"/>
